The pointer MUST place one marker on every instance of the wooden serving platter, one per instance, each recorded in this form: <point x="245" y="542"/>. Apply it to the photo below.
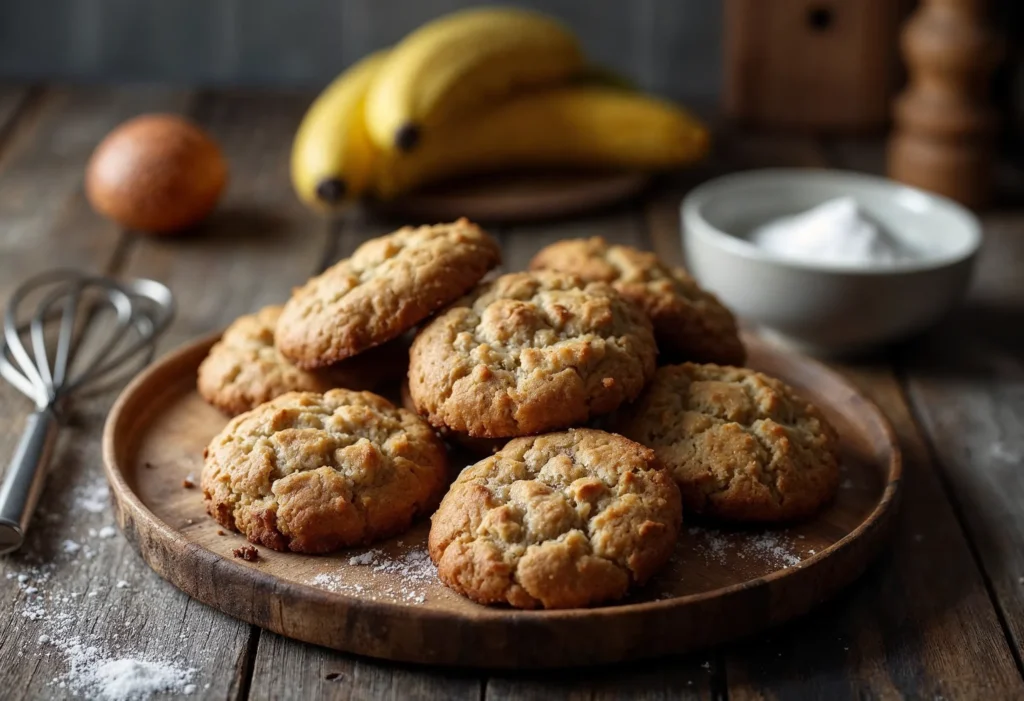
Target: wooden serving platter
<point x="517" y="197"/>
<point x="385" y="601"/>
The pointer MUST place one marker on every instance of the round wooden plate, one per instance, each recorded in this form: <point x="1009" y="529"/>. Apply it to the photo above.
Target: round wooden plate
<point x="385" y="601"/>
<point x="516" y="197"/>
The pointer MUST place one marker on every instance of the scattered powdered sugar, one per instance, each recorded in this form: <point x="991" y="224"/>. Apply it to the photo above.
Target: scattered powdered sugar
<point x="1006" y="453"/>
<point x="102" y="668"/>
<point x="93" y="496"/>
<point x="712" y="545"/>
<point x="92" y="672"/>
<point x="401" y="579"/>
<point x="95" y="675"/>
<point x="775" y="549"/>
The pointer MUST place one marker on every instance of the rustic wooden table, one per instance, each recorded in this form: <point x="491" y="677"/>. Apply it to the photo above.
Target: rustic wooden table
<point x="941" y="614"/>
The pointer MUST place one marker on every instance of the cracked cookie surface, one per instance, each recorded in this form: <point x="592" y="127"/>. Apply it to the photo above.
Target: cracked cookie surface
<point x="741" y="445"/>
<point x="477" y="447"/>
<point x="530" y="352"/>
<point x="244" y="369"/>
<point x="689" y="322"/>
<point x="388" y="285"/>
<point x="314" y="472"/>
<point x="561" y="520"/>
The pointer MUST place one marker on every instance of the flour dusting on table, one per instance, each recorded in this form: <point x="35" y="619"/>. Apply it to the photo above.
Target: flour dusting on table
<point x="95" y="675"/>
<point x="91" y="664"/>
<point x="93" y="496"/>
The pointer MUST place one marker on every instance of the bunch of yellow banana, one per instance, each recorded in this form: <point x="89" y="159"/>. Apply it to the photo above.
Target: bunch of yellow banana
<point x="479" y="91"/>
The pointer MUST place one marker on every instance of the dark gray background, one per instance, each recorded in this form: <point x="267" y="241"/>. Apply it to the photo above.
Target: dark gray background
<point x="669" y="46"/>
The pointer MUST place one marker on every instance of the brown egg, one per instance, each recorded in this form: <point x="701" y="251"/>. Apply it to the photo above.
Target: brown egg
<point x="157" y="173"/>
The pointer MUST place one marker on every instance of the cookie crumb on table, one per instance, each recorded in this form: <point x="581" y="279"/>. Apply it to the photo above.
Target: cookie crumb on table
<point x="247" y="553"/>
<point x="187" y="483"/>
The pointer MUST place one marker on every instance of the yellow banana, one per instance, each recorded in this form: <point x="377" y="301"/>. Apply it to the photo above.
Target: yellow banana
<point x="579" y="126"/>
<point x="461" y="61"/>
<point x="333" y="155"/>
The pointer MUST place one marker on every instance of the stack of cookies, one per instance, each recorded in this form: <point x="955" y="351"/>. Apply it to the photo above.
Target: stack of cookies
<point x="596" y="451"/>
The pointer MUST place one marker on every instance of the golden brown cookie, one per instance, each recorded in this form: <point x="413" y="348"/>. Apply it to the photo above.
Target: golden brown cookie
<point x="478" y="447"/>
<point x="314" y="472"/>
<point x="741" y="445"/>
<point x="561" y="520"/>
<point x="389" y="284"/>
<point x="530" y="352"/>
<point x="689" y="323"/>
<point x="244" y="369"/>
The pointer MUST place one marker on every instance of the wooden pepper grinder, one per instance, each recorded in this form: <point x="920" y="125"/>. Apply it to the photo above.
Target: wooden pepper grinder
<point x="944" y="124"/>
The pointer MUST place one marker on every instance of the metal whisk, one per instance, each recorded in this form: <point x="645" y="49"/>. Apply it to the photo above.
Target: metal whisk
<point x="87" y="334"/>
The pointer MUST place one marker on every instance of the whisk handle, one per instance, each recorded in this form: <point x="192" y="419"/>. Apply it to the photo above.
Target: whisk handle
<point x="24" y="478"/>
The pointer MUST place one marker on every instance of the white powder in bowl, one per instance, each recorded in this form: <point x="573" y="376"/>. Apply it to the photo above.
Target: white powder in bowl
<point x="838" y="232"/>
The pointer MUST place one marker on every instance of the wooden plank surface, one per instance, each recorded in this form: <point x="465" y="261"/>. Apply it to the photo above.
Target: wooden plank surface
<point x="683" y="679"/>
<point x="257" y="245"/>
<point x="286" y="669"/>
<point x="920" y="624"/>
<point x="966" y="383"/>
<point x="892" y="634"/>
<point x="61" y="590"/>
<point x="889" y="634"/>
<point x="44" y="218"/>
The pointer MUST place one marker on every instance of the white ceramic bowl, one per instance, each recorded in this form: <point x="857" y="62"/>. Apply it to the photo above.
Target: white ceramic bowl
<point x="827" y="308"/>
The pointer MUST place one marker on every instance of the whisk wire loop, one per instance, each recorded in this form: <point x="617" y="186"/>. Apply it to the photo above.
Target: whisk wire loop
<point x="141" y="310"/>
<point x="76" y="303"/>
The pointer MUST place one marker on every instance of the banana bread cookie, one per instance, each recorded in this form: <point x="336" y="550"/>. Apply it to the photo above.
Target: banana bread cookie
<point x="389" y="284"/>
<point x="478" y="447"/>
<point x="313" y="472"/>
<point x="530" y="352"/>
<point x="244" y="369"/>
<point x="689" y="323"/>
<point x="561" y="520"/>
<point x="741" y="445"/>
